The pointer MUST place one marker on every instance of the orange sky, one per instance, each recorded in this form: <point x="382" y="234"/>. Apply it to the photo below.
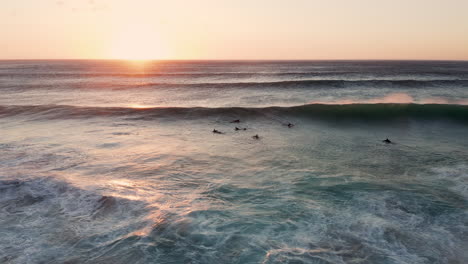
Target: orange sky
<point x="234" y="29"/>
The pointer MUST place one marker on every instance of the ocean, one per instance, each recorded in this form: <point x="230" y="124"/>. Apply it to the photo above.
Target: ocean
<point x="116" y="162"/>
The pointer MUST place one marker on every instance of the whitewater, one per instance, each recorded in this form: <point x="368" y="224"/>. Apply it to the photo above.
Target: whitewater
<point x="116" y="162"/>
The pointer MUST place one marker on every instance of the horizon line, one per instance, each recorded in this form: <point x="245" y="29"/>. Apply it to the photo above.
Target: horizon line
<point x="241" y="60"/>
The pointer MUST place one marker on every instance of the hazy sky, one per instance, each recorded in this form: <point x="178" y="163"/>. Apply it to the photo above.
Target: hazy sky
<point x="234" y="29"/>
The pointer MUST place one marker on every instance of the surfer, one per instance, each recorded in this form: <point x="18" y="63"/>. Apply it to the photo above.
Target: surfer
<point x="256" y="137"/>
<point x="290" y="125"/>
<point x="235" y="121"/>
<point x="237" y="129"/>
<point x="217" y="132"/>
<point x="388" y="141"/>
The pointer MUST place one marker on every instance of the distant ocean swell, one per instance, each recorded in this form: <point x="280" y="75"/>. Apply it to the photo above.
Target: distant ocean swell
<point x="305" y="84"/>
<point x="191" y="74"/>
<point x="167" y="74"/>
<point x="380" y="111"/>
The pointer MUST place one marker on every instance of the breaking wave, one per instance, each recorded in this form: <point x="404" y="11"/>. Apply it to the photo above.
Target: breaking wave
<point x="366" y="111"/>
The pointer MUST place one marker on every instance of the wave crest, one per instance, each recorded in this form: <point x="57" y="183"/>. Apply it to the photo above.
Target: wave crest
<point x="366" y="111"/>
<point x="286" y="84"/>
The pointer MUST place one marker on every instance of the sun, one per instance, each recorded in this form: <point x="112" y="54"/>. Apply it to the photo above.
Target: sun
<point x="137" y="42"/>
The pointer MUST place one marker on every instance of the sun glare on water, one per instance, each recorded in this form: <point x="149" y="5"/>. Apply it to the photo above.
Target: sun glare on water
<point x="140" y="106"/>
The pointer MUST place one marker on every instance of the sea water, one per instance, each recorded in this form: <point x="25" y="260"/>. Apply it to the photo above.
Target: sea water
<point x="116" y="162"/>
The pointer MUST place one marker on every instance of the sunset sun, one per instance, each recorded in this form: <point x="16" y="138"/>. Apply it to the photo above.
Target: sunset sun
<point x="137" y="42"/>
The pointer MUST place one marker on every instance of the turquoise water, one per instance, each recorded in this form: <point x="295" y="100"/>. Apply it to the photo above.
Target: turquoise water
<point x="125" y="174"/>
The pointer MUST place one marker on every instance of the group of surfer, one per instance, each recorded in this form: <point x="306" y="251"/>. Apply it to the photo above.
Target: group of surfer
<point x="215" y="131"/>
<point x="289" y="125"/>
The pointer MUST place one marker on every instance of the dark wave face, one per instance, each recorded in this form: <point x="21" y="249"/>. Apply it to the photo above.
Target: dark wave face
<point x="370" y="112"/>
